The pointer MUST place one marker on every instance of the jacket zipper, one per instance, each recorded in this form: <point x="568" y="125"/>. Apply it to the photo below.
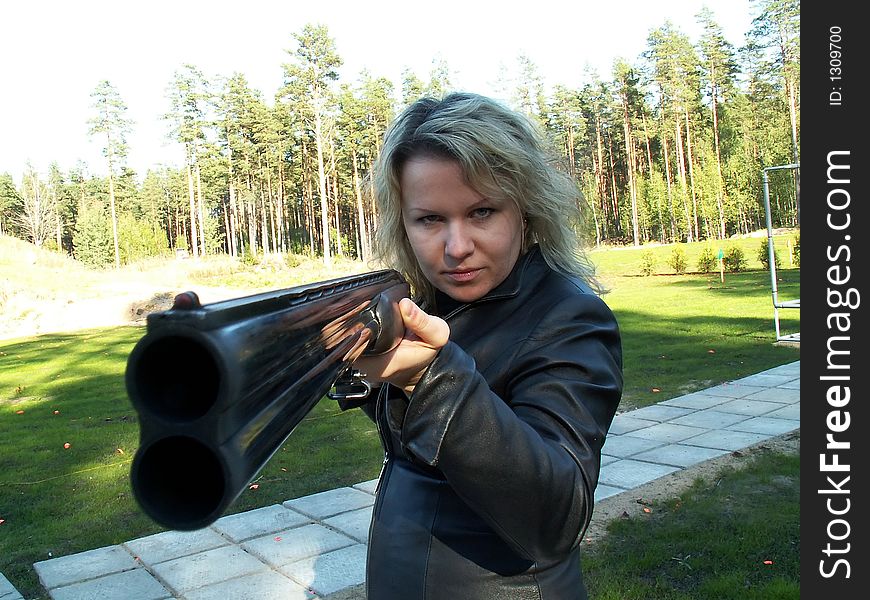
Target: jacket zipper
<point x="384" y="439"/>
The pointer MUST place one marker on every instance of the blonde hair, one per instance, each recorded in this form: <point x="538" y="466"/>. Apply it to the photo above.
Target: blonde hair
<point x="502" y="156"/>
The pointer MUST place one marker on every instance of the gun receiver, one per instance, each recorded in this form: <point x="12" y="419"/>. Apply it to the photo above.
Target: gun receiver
<point x="220" y="387"/>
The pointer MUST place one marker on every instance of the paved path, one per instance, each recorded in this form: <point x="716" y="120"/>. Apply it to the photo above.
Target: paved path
<point x="314" y="547"/>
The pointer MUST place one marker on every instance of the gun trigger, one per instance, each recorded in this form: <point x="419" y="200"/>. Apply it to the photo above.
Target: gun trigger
<point x="350" y="386"/>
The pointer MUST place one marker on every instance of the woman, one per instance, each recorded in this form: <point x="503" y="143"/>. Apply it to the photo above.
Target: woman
<point x="502" y="391"/>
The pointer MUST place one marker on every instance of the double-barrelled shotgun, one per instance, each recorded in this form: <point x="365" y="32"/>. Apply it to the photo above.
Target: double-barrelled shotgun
<point x="219" y="387"/>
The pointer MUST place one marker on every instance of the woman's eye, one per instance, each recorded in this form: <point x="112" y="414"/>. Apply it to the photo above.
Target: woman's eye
<point x="482" y="213"/>
<point x="428" y="219"/>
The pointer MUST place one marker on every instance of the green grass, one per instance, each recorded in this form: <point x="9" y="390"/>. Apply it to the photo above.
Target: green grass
<point x="68" y="389"/>
<point x="680" y="333"/>
<point x="710" y="543"/>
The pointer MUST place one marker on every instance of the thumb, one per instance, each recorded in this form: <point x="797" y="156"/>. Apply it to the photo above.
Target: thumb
<point x="431" y="330"/>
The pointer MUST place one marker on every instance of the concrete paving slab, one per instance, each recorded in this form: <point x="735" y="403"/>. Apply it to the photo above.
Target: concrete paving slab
<point x="354" y="523"/>
<point x="660" y="413"/>
<point x="733" y="390"/>
<point x="628" y="473"/>
<point x="191" y="572"/>
<point x="680" y="455"/>
<point x="7" y="590"/>
<point x="777" y="394"/>
<point x="623" y="446"/>
<point x="330" y="572"/>
<point x="667" y="433"/>
<point x="751" y="408"/>
<point x="269" y="585"/>
<point x="710" y="419"/>
<point x="768" y="426"/>
<point x="137" y="584"/>
<point x="606" y="491"/>
<point x="320" y="539"/>
<point x="258" y="522"/>
<point x="791" y="412"/>
<point x="624" y="423"/>
<point x="169" y="545"/>
<point x="695" y="400"/>
<point x="793" y="369"/>
<point x="65" y="570"/>
<point x="606" y="459"/>
<point x="369" y="486"/>
<point x="295" y="544"/>
<point x="765" y="380"/>
<point x="331" y="502"/>
<point x="726" y="440"/>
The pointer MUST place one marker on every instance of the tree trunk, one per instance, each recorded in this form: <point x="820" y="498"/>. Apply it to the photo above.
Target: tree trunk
<point x="200" y="211"/>
<point x="365" y="253"/>
<point x="692" y="176"/>
<point x="194" y="239"/>
<point x="629" y="155"/>
<point x="114" y="218"/>
<point x="321" y="176"/>
<point x="681" y="170"/>
<point x="720" y="193"/>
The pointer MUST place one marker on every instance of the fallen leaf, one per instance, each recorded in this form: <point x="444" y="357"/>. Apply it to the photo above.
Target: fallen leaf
<point x="711" y="351"/>
<point x="67" y="445"/>
<point x="254" y="486"/>
<point x="768" y="562"/>
<point x="2" y="521"/>
<point x="283" y="469"/>
<point x="119" y="451"/>
<point x="278" y="538"/>
<point x="19" y="412"/>
<point x="646" y="510"/>
<point x="656" y="390"/>
<point x="57" y="412"/>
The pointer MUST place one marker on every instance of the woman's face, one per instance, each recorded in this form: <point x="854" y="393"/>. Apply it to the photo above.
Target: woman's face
<point x="465" y="243"/>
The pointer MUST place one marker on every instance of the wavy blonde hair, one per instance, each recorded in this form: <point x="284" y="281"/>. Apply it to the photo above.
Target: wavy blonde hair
<point x="502" y="156"/>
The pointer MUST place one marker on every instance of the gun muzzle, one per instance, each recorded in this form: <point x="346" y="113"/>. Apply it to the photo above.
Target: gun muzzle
<point x="219" y="387"/>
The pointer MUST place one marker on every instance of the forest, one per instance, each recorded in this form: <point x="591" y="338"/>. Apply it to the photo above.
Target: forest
<point x="669" y="147"/>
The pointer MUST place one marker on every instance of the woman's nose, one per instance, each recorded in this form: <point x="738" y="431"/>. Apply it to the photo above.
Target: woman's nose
<point x="458" y="243"/>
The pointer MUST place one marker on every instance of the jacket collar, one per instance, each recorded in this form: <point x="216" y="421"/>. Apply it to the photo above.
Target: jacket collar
<point x="509" y="288"/>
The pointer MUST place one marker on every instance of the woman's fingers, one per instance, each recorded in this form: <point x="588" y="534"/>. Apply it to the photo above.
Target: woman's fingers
<point x="403" y="366"/>
<point x="432" y="331"/>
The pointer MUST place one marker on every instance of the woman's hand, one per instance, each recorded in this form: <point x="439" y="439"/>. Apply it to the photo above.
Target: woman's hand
<point x="403" y="366"/>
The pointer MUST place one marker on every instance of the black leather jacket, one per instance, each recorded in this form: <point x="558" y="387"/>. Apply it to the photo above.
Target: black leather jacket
<point x="491" y="466"/>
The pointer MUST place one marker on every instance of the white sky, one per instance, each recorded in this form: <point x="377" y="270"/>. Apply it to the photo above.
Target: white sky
<point x="54" y="53"/>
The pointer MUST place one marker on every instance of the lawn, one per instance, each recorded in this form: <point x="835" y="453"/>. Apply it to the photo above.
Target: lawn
<point x="68" y="431"/>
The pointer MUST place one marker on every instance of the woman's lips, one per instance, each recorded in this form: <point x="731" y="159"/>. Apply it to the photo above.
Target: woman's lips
<point x="463" y="275"/>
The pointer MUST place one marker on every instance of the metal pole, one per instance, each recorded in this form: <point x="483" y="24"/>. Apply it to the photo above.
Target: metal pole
<point x="771" y="257"/>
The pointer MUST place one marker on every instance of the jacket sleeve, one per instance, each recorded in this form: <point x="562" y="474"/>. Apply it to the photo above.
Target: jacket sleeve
<point x="528" y="462"/>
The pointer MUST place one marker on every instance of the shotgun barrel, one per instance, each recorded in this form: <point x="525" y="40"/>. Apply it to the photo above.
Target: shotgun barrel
<point x="219" y="387"/>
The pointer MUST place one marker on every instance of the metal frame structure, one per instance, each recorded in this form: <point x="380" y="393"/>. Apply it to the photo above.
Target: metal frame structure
<point x="794" y="338"/>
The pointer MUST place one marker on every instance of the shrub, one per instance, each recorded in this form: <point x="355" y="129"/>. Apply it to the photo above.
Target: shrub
<point x="92" y="238"/>
<point x="292" y="260"/>
<point x="764" y="257"/>
<point x="139" y="239"/>
<point x="648" y="263"/>
<point x="796" y="249"/>
<point x="677" y="259"/>
<point x="735" y="260"/>
<point x="248" y="258"/>
<point x="707" y="262"/>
